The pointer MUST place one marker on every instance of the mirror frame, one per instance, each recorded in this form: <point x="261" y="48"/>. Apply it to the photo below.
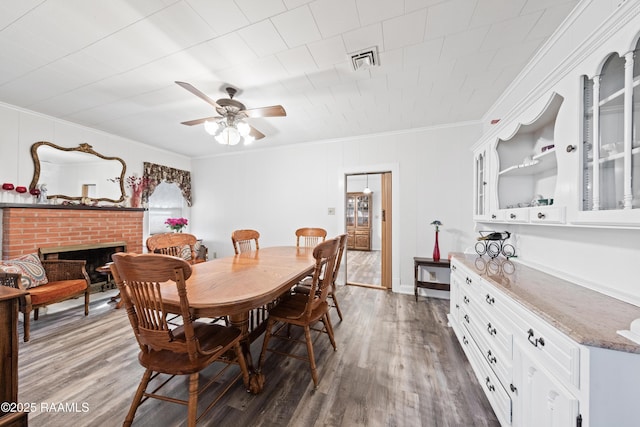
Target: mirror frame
<point x="83" y="148"/>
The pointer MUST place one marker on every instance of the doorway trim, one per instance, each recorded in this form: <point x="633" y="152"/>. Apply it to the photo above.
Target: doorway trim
<point x="392" y="168"/>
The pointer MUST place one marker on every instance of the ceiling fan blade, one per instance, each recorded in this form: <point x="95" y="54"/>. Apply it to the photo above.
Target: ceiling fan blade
<point x="255" y="133"/>
<point x="199" y="94"/>
<point x="200" y="121"/>
<point x="273" y="111"/>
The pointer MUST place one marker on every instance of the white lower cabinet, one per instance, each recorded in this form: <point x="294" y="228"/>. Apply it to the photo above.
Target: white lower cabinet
<point x="540" y="399"/>
<point x="531" y="372"/>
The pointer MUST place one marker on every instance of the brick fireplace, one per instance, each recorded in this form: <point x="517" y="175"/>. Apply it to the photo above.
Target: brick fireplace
<point x="27" y="228"/>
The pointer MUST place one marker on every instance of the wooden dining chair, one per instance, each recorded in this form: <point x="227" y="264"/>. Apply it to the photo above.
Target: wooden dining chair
<point x="242" y="240"/>
<point x="166" y="349"/>
<point x="304" y="287"/>
<point x="306" y="310"/>
<point x="175" y="244"/>
<point x="309" y="237"/>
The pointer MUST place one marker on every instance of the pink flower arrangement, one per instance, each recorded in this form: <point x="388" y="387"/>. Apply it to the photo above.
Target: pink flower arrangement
<point x="177" y="224"/>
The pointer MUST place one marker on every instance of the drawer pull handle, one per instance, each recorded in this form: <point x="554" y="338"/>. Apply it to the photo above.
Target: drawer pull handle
<point x="513" y="388"/>
<point x="465" y="340"/>
<point x="491" y="329"/>
<point x="453" y="267"/>
<point x="457" y="306"/>
<point x="512" y="216"/>
<point x="490" y="300"/>
<point x="493" y="216"/>
<point x="465" y="299"/>
<point x="466" y="317"/>
<point x="536" y="341"/>
<point x="491" y="358"/>
<point x="468" y="281"/>
<point x="541" y="215"/>
<point x="489" y="385"/>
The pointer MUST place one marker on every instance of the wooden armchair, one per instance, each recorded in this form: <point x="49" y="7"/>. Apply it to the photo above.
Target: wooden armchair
<point x="242" y="239"/>
<point x="175" y="244"/>
<point x="66" y="279"/>
<point x="173" y="350"/>
<point x="310" y="236"/>
<point x="305" y="310"/>
<point x="304" y="287"/>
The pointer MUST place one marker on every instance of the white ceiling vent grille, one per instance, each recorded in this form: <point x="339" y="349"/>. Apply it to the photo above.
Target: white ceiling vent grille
<point x="365" y="59"/>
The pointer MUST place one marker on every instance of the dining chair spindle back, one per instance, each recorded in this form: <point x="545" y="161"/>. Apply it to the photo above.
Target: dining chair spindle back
<point x="309" y="237"/>
<point x="242" y="240"/>
<point x="165" y="348"/>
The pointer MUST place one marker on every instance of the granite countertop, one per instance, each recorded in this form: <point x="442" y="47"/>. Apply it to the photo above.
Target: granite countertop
<point x="588" y="317"/>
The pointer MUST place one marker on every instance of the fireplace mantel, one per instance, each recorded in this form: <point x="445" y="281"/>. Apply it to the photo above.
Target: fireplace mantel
<point x="62" y="206"/>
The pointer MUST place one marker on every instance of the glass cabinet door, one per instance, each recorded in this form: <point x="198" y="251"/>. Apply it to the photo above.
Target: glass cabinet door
<point x="363" y="211"/>
<point x="351" y="203"/>
<point x="611" y="141"/>
<point x="481" y="184"/>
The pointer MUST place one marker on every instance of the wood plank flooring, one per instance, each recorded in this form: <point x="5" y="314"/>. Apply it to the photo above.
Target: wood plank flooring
<point x="397" y="364"/>
<point x="364" y="267"/>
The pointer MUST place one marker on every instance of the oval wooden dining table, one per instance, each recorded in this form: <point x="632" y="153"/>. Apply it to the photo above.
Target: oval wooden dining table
<point x="235" y="285"/>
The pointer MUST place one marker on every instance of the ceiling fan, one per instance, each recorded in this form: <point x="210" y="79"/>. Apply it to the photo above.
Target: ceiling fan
<point x="229" y="127"/>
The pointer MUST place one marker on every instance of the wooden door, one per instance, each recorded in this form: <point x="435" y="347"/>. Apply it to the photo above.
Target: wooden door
<point x="386" y="198"/>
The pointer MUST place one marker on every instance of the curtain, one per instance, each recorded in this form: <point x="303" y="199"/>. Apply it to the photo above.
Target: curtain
<point x="155" y="174"/>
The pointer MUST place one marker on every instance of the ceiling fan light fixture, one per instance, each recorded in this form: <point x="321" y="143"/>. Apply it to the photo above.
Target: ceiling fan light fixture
<point x="212" y="128"/>
<point x="228" y="136"/>
<point x="243" y="128"/>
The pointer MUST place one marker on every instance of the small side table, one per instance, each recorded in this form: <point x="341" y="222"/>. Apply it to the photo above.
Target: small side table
<point x="430" y="284"/>
<point x="106" y="269"/>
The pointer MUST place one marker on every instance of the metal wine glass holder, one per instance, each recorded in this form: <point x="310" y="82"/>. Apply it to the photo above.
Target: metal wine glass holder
<point x="493" y="244"/>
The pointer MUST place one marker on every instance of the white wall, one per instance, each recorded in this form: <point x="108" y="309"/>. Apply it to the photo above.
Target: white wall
<point x="276" y="191"/>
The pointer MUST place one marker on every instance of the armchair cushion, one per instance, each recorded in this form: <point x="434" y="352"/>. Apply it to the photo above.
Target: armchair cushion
<point x="30" y="267"/>
<point x="56" y="291"/>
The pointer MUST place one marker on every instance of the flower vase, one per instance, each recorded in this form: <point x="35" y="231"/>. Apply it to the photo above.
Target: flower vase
<point x="136" y="196"/>
<point x="436" y="250"/>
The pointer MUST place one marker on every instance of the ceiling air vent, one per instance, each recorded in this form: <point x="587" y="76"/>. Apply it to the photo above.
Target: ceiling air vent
<point x="365" y="59"/>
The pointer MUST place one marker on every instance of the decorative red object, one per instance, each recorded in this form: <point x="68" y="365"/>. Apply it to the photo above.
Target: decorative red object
<point x="21" y="190"/>
<point x="7" y="186"/>
<point x="436" y="250"/>
<point x="495" y="121"/>
<point x="34" y="192"/>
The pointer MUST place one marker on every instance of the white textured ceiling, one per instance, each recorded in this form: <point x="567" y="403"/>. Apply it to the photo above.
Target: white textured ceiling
<point x="111" y="65"/>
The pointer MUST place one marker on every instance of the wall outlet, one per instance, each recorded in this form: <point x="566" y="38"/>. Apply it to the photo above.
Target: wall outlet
<point x="215" y="255"/>
<point x="331" y="211"/>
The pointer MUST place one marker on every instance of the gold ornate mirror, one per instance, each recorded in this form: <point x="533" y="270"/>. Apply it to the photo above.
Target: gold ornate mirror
<point x="77" y="173"/>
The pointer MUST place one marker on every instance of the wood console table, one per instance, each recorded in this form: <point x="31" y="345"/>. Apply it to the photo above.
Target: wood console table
<point x="9" y="355"/>
<point x="430" y="284"/>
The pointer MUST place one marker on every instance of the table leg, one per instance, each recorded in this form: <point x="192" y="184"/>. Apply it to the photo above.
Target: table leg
<point x="256" y="378"/>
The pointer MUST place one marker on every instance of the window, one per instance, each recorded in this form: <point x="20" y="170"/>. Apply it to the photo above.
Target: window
<point x="165" y="202"/>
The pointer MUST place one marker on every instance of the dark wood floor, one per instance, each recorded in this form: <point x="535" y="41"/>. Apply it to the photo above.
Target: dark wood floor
<point x="397" y="364"/>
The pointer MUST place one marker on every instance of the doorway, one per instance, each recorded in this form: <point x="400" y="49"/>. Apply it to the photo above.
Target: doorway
<point x="368" y="227"/>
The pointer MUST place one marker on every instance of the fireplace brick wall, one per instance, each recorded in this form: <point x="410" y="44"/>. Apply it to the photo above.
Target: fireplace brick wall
<point x="25" y="229"/>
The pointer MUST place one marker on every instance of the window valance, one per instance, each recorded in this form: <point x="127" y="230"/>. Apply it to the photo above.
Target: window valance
<point x="155" y="174"/>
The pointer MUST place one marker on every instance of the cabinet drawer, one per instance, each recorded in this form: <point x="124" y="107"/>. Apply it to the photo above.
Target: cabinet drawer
<point x="516" y="215"/>
<point x="548" y="214"/>
<point x="491" y="348"/>
<point x="557" y="352"/>
<point x="493" y="388"/>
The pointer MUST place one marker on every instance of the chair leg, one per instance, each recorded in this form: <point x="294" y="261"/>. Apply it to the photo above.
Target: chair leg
<point x="138" y="397"/>
<point x="329" y="327"/>
<point x="26" y="318"/>
<point x="192" y="410"/>
<point x="35" y="314"/>
<point x="86" y="302"/>
<point x="312" y="359"/>
<point x="265" y="342"/>
<point x="336" y="305"/>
